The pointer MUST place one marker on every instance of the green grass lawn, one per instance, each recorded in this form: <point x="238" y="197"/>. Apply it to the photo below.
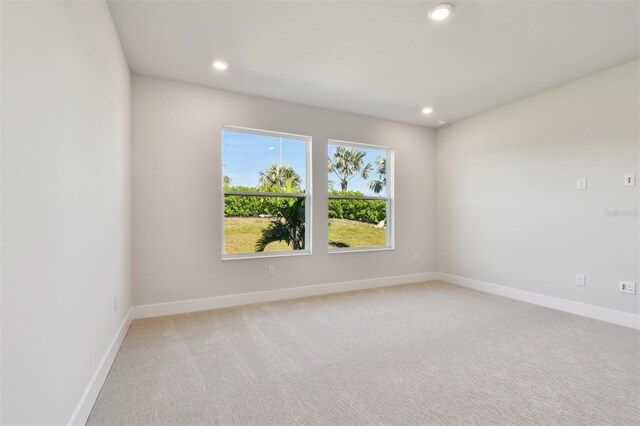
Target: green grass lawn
<point x="356" y="234"/>
<point x="241" y="234"/>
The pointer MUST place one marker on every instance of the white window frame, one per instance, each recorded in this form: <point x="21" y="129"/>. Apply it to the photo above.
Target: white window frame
<point x="390" y="234"/>
<point x="306" y="195"/>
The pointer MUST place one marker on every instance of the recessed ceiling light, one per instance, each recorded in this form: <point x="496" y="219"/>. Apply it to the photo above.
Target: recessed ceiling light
<point x="220" y="65"/>
<point x="442" y="122"/>
<point x="440" y="12"/>
<point x="427" y="110"/>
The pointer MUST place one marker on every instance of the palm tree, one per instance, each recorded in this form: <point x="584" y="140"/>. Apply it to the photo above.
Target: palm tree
<point x="346" y="163"/>
<point x="377" y="185"/>
<point x="226" y="181"/>
<point x="280" y="175"/>
<point x="288" y="226"/>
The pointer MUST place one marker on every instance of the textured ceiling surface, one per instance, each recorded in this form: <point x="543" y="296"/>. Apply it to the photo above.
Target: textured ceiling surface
<point x="383" y="59"/>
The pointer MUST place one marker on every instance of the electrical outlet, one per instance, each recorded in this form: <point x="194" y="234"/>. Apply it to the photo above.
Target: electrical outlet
<point x="416" y="258"/>
<point x="626" y="287"/>
<point x="581" y="184"/>
<point x="272" y="271"/>
<point x="629" y="180"/>
<point x="580" y="280"/>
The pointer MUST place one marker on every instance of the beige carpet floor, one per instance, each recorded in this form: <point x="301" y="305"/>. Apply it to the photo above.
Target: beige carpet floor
<point x="428" y="353"/>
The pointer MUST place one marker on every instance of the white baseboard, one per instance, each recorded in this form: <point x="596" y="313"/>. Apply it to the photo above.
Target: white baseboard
<point x="590" y="311"/>
<point x="81" y="414"/>
<point x="194" y="305"/>
<point x="83" y="410"/>
<point x="184" y="306"/>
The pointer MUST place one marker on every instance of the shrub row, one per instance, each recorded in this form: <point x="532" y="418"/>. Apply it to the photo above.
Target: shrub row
<point x="240" y="206"/>
<point x="371" y="211"/>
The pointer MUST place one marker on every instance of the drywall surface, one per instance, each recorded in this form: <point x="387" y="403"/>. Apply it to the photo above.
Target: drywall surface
<point x="508" y="211"/>
<point x="177" y="205"/>
<point x="65" y="203"/>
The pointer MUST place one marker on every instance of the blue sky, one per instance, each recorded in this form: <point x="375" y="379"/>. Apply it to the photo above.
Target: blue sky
<point x="244" y="155"/>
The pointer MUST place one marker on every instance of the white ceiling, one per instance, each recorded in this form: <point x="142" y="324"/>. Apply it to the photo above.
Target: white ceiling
<point x="382" y="59"/>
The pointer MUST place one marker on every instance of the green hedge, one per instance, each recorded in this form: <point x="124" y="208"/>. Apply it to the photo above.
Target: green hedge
<point x="241" y="206"/>
<point x="371" y="211"/>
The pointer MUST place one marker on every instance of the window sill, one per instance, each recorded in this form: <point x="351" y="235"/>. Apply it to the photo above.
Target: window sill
<point x="264" y="255"/>
<point x="359" y="250"/>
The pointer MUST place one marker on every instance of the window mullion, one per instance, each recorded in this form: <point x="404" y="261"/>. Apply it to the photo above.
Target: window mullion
<point x="357" y="197"/>
<point x="265" y="194"/>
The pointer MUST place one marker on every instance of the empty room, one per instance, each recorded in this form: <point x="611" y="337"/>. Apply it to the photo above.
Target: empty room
<point x="319" y="212"/>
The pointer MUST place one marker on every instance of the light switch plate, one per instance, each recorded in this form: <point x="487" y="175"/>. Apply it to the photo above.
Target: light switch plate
<point x="629" y="180"/>
<point x="581" y="184"/>
<point x="627" y="287"/>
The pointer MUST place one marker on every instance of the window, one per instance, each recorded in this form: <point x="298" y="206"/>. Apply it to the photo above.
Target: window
<point x="266" y="183"/>
<point x="360" y="197"/>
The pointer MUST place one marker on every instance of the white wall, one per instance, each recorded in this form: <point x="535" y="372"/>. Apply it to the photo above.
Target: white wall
<point x="177" y="204"/>
<point x="508" y="211"/>
<point x="65" y="203"/>
<point x="507" y="208"/>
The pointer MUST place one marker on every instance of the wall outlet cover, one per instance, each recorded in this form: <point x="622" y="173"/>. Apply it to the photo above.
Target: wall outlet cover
<point x="581" y="184"/>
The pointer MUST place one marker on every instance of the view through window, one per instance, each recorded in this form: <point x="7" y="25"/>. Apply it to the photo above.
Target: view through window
<point x="266" y="192"/>
<point x="360" y="202"/>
